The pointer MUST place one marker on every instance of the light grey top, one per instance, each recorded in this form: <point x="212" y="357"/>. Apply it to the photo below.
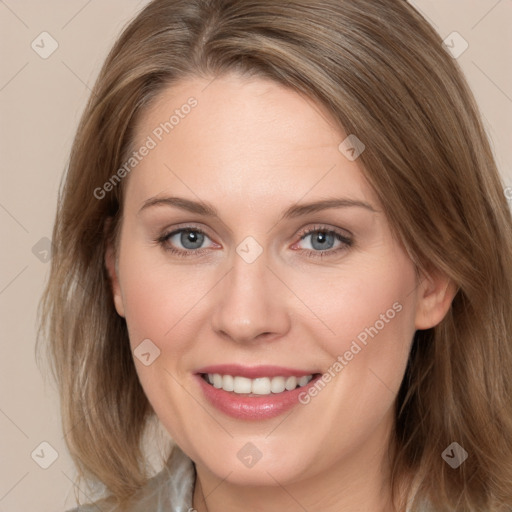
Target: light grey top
<point x="171" y="490"/>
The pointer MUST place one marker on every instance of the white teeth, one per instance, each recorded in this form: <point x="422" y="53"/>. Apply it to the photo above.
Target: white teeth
<point x="303" y="381"/>
<point x="242" y="385"/>
<point x="217" y="381"/>
<point x="227" y="383"/>
<point x="277" y="385"/>
<point x="291" y="383"/>
<point x="259" y="386"/>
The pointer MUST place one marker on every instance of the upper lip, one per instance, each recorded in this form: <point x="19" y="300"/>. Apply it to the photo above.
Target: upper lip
<point x="253" y="372"/>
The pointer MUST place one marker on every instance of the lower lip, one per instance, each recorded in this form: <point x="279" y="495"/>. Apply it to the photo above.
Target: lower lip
<point x="245" y="407"/>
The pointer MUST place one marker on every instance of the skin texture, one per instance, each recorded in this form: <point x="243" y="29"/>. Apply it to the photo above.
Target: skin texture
<point x="253" y="148"/>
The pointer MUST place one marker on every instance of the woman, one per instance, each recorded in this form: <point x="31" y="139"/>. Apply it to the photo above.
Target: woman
<point x="282" y="234"/>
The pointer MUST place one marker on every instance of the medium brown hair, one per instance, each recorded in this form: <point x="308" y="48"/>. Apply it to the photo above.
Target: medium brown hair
<point x="381" y="71"/>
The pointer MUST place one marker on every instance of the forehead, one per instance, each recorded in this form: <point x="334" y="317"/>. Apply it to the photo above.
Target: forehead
<point x="242" y="138"/>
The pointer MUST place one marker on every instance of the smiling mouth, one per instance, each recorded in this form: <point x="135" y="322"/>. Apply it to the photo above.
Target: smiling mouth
<point x="256" y="387"/>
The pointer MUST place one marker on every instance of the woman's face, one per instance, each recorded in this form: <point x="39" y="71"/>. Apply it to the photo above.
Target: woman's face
<point x="285" y="273"/>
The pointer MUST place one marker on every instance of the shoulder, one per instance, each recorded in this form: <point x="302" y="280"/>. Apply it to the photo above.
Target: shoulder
<point x="172" y="486"/>
<point x="103" y="505"/>
<point x="92" y="507"/>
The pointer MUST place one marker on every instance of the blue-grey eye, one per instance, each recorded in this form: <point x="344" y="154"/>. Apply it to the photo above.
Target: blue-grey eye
<point x="321" y="240"/>
<point x="190" y="239"/>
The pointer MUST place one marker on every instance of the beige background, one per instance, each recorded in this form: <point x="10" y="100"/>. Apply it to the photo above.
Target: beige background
<point x="40" y="104"/>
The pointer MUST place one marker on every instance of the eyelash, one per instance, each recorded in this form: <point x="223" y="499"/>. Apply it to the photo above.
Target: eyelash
<point x="346" y="241"/>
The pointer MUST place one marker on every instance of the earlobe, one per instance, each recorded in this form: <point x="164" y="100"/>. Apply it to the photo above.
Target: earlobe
<point x="434" y="298"/>
<point x="110" y="263"/>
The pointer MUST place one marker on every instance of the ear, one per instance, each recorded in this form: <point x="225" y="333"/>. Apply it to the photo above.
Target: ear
<point x="112" y="269"/>
<point x="434" y="298"/>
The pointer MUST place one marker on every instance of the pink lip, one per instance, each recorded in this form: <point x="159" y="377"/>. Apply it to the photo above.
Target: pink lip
<point x="252" y="407"/>
<point x="253" y="372"/>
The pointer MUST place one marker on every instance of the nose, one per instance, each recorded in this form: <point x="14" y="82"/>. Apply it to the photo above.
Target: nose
<point x="251" y="303"/>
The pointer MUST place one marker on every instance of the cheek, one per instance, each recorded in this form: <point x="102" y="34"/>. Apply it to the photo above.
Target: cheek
<point x="367" y="325"/>
<point x="374" y="301"/>
<point x="370" y="317"/>
<point x="158" y="297"/>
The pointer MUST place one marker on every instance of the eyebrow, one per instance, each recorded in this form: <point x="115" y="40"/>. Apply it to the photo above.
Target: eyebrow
<point x="296" y="210"/>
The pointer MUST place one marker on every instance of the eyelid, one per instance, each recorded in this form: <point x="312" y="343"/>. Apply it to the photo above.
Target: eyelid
<point x="186" y="226"/>
<point x="326" y="229"/>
